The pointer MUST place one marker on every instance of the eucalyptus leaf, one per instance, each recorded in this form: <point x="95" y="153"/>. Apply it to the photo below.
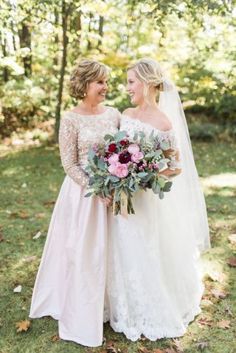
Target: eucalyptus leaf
<point x="167" y="186"/>
<point x="108" y="137"/>
<point x="88" y="194"/>
<point x="120" y="135"/>
<point x="142" y="174"/>
<point x="91" y="154"/>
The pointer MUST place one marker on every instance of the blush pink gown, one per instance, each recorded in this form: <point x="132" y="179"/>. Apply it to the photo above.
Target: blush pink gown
<point x="70" y="283"/>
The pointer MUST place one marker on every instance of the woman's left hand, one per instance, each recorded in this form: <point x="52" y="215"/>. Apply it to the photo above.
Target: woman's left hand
<point x="106" y="200"/>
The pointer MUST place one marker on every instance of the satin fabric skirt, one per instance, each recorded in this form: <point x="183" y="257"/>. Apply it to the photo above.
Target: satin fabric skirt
<point x="70" y="284"/>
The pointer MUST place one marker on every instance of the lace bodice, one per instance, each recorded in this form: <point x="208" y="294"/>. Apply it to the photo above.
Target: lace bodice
<point x="77" y="133"/>
<point x="132" y="125"/>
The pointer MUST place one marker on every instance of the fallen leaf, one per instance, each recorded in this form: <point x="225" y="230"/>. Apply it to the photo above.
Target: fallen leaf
<point x="110" y="342"/>
<point x="142" y="349"/>
<point x="170" y="350"/>
<point x="219" y="294"/>
<point x="206" y="303"/>
<point x="18" y="289"/>
<point x="232" y="261"/>
<point x="37" y="235"/>
<point x="40" y="215"/>
<point x="23" y="214"/>
<point x="217" y="276"/>
<point x="49" y="203"/>
<point x="30" y="258"/>
<point x="223" y="324"/>
<point x="55" y="338"/>
<point x="157" y="351"/>
<point x="22" y="325"/>
<point x="205" y="322"/>
<point x="178" y="345"/>
<point x="110" y="347"/>
<point x="202" y="345"/>
<point x="232" y="239"/>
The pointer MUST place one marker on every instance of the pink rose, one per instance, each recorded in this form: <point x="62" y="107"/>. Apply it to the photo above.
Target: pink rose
<point x="113" y="159"/>
<point x="136" y="157"/>
<point x="133" y="148"/>
<point x="118" y="169"/>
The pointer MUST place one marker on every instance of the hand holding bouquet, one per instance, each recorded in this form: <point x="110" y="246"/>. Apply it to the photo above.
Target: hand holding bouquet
<point x="120" y="167"/>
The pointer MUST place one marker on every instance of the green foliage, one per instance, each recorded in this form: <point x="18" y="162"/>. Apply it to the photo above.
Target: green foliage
<point x="204" y="131"/>
<point x="194" y="41"/>
<point x="23" y="105"/>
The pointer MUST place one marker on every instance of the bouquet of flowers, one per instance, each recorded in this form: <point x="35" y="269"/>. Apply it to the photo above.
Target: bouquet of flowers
<point x="120" y="167"/>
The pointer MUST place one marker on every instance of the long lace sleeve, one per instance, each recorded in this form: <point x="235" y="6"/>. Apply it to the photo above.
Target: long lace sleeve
<point x="69" y="152"/>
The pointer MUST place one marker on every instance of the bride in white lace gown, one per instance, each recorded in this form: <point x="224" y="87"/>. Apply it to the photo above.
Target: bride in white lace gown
<point x="154" y="283"/>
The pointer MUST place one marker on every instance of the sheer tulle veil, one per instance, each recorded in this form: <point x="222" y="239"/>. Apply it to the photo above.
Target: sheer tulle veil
<point x="186" y="186"/>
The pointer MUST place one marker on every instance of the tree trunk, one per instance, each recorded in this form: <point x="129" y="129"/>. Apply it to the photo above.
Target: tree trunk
<point x="89" y="45"/>
<point x="65" y="14"/>
<point x="100" y="31"/>
<point x="75" y="28"/>
<point x="56" y="39"/>
<point x="13" y="31"/>
<point x="4" y="52"/>
<point x="25" y="42"/>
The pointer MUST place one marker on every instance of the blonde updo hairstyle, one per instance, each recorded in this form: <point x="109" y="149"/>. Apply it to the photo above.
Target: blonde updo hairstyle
<point x="150" y="73"/>
<point x="84" y="73"/>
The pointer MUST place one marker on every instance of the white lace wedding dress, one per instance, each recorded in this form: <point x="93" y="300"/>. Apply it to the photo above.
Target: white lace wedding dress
<point x="154" y="283"/>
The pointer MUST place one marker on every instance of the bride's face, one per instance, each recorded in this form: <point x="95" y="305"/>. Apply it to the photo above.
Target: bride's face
<point x="134" y="88"/>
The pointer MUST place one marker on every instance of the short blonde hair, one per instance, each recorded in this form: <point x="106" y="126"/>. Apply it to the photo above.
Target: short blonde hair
<point x="149" y="71"/>
<point x="85" y="72"/>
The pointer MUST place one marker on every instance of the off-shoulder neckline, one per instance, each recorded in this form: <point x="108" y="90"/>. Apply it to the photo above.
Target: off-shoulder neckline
<point x="90" y="115"/>
<point x="147" y="124"/>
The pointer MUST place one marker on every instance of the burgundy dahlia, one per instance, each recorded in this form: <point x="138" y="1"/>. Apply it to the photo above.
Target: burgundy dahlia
<point x="125" y="157"/>
<point x="140" y="164"/>
<point x="112" y="147"/>
<point x="124" y="142"/>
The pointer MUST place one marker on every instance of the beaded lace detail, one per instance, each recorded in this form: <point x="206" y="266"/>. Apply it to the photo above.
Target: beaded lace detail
<point x="77" y="133"/>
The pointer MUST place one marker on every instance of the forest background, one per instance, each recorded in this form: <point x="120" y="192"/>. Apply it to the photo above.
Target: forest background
<point x="42" y="40"/>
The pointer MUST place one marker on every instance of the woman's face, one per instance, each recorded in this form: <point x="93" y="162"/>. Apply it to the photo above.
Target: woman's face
<point x="97" y="90"/>
<point x="134" y="88"/>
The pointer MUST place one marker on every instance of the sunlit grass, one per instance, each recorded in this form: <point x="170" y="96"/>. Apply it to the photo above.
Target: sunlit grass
<point x="30" y="181"/>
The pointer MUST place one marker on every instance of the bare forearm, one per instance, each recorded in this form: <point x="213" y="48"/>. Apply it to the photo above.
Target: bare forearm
<point x="170" y="172"/>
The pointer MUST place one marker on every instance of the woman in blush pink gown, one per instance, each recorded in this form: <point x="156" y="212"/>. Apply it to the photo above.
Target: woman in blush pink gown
<point x="70" y="283"/>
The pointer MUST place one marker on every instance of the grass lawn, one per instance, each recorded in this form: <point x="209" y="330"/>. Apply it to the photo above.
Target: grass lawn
<point x="30" y="181"/>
